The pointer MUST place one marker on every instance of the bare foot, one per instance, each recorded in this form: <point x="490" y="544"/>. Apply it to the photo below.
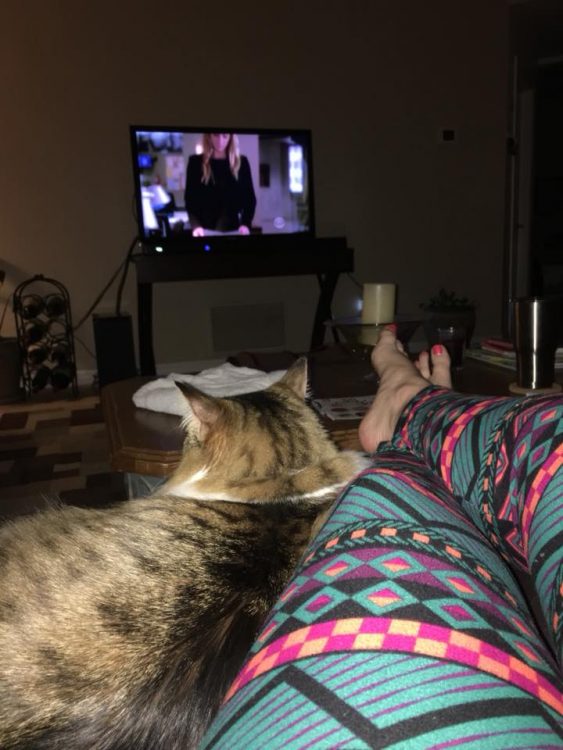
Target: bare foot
<point x="399" y="381"/>
<point x="435" y="367"/>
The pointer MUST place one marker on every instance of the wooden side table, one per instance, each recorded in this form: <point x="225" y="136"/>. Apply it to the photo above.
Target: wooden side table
<point x="141" y="441"/>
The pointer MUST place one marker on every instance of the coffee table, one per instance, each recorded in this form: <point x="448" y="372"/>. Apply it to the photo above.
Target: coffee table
<point x="144" y="442"/>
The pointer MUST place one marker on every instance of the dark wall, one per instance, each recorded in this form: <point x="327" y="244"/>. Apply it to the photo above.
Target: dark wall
<point x="376" y="81"/>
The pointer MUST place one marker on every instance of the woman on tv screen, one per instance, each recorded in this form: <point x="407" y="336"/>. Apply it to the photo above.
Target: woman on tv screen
<point x="219" y="194"/>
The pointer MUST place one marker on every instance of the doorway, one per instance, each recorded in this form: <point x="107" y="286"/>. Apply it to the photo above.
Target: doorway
<point x="534" y="185"/>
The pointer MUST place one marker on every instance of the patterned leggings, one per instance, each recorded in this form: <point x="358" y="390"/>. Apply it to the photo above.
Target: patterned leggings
<point x="406" y="625"/>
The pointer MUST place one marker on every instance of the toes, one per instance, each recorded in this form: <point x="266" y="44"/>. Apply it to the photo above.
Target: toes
<point x="441" y="374"/>
<point x="386" y="343"/>
<point x="386" y="338"/>
<point x="422" y="364"/>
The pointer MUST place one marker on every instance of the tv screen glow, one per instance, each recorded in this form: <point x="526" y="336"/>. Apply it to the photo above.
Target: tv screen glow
<point x="199" y="182"/>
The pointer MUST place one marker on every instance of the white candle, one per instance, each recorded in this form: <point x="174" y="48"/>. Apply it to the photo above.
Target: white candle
<point x="379" y="303"/>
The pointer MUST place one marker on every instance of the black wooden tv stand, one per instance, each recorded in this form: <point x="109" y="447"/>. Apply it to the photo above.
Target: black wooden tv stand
<point x="326" y="258"/>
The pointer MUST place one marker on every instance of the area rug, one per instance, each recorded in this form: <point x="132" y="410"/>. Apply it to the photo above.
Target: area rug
<point x="53" y="453"/>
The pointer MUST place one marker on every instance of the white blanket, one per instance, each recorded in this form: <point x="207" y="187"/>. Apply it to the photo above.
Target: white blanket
<point x="225" y="380"/>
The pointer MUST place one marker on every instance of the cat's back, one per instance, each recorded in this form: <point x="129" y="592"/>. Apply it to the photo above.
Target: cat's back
<point x="106" y="612"/>
<point x="122" y="628"/>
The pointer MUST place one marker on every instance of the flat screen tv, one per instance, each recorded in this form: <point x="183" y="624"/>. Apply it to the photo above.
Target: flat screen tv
<point x="197" y="186"/>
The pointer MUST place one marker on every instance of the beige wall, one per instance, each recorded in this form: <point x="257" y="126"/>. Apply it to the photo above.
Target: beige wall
<point x="375" y="80"/>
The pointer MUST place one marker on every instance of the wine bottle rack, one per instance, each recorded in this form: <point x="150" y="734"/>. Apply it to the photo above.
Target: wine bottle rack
<point x="45" y="337"/>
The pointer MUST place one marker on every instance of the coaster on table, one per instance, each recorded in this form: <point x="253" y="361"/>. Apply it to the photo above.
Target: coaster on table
<point x="520" y="391"/>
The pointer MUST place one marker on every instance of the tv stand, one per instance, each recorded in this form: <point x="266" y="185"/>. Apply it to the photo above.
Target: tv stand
<point x="326" y="258"/>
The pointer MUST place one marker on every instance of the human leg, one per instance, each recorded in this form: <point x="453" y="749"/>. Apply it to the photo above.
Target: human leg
<point x="399" y="382"/>
<point x="503" y="460"/>
<point x="401" y="628"/>
<point x="502" y="457"/>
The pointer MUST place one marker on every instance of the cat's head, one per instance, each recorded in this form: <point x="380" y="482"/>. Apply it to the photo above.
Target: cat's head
<point x="252" y="435"/>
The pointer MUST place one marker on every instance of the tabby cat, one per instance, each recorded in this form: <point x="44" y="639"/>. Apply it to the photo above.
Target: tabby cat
<point x="122" y="628"/>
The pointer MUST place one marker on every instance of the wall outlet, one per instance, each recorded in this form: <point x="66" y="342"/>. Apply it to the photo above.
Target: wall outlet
<point x="447" y="135"/>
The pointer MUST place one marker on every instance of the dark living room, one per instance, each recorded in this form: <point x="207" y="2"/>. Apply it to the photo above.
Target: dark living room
<point x="376" y="83"/>
<point x="409" y="123"/>
<point x="211" y="535"/>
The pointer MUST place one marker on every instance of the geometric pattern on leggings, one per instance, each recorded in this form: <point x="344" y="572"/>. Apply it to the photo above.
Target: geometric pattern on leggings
<point x="320" y="702"/>
<point x="540" y="479"/>
<point x="390" y="635"/>
<point x="401" y="636"/>
<point x="503" y="459"/>
<point x="556" y="607"/>
<point x="526" y="452"/>
<point x="373" y="495"/>
<point x="423" y="572"/>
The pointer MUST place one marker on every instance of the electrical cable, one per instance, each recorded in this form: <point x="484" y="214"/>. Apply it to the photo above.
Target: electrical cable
<point x="88" y="351"/>
<point x="2" y="280"/>
<point x="354" y="280"/>
<point x="124" y="277"/>
<point x="122" y="267"/>
<point x="6" y="305"/>
<point x="96" y="302"/>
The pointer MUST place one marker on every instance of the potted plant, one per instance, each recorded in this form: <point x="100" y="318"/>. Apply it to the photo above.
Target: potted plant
<point x="446" y="308"/>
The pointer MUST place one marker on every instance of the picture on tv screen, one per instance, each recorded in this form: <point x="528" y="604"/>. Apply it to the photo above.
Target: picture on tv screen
<point x="198" y="182"/>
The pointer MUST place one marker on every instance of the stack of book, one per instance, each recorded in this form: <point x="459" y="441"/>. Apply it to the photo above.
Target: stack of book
<point x="501" y="353"/>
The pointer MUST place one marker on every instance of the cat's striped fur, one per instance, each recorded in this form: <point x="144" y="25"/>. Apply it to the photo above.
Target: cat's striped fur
<point x="122" y="628"/>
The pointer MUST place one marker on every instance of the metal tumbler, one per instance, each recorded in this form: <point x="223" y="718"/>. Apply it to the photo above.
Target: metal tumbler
<point x="537" y="321"/>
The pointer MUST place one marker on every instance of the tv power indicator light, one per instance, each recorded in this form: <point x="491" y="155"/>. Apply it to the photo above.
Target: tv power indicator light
<point x="207" y="248"/>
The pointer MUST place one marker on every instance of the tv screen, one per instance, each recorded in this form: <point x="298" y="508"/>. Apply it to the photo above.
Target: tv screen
<point x="197" y="182"/>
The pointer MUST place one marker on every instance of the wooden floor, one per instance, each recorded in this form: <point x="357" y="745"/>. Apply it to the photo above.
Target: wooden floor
<point x="55" y="449"/>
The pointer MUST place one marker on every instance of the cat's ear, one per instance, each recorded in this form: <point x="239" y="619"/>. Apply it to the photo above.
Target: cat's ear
<point x="202" y="412"/>
<point x="296" y="377"/>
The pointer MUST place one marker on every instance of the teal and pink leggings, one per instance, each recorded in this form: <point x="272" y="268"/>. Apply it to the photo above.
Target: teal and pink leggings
<point x="428" y="612"/>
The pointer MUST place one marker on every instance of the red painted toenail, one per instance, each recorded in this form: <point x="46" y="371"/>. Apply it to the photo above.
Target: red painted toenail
<point x="391" y="327"/>
<point x="437" y="349"/>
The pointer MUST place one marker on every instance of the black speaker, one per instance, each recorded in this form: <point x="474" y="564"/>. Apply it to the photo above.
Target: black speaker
<point x="115" y="354"/>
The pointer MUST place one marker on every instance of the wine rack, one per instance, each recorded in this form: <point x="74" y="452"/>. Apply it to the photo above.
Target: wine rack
<point x="45" y="337"/>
